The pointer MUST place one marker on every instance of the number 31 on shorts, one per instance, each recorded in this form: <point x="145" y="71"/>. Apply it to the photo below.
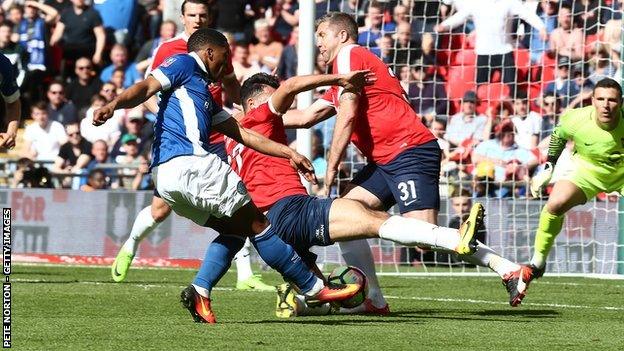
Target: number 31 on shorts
<point x="408" y="191"/>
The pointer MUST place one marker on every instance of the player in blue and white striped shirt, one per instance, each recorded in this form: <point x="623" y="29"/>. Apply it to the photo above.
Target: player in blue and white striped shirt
<point x="10" y="94"/>
<point x="196" y="184"/>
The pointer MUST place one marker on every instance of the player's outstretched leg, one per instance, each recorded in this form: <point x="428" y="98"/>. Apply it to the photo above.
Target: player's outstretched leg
<point x="290" y="304"/>
<point x="145" y="222"/>
<point x="198" y="305"/>
<point x="246" y="280"/>
<point x="517" y="282"/>
<point x="564" y="196"/>
<point x="217" y="261"/>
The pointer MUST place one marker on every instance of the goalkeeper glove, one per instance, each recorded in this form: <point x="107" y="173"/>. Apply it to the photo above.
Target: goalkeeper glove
<point x="542" y="179"/>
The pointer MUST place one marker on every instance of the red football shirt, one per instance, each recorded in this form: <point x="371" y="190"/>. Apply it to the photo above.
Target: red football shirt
<point x="268" y="179"/>
<point x="386" y="124"/>
<point x="177" y="45"/>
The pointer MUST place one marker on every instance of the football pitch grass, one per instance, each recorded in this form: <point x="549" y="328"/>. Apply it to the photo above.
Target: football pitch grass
<point x="80" y="308"/>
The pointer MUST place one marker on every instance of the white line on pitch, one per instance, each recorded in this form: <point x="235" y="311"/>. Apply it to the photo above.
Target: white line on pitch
<point x="417" y="298"/>
<point x="556" y="305"/>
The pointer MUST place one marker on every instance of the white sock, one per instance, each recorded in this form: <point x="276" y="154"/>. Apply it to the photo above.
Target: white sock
<point x="415" y="232"/>
<point x="304" y="310"/>
<point x="318" y="286"/>
<point x="143" y="225"/>
<point x="243" y="262"/>
<point x="538" y="260"/>
<point x="358" y="253"/>
<point x="202" y="291"/>
<point x="485" y="256"/>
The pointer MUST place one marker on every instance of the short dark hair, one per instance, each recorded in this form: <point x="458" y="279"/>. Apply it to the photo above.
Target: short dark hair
<point x="609" y="83"/>
<point x="200" y="2"/>
<point x="97" y="97"/>
<point x="461" y="191"/>
<point x="442" y="121"/>
<point x="39" y="105"/>
<point x="204" y="37"/>
<point x="57" y="82"/>
<point x="340" y="21"/>
<point x="521" y="95"/>
<point x="255" y="85"/>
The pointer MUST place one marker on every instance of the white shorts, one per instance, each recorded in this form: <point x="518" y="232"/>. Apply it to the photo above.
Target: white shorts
<point x="200" y="187"/>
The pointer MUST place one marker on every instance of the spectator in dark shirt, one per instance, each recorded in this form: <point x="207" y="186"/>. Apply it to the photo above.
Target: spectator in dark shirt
<point x="81" y="31"/>
<point x="427" y="96"/>
<point x="134" y="122"/>
<point x="59" y="109"/>
<point x="84" y="86"/>
<point x="287" y="66"/>
<point x="235" y="16"/>
<point x="407" y="50"/>
<point x="284" y="17"/>
<point x="73" y="156"/>
<point x="551" y="108"/>
<point x="59" y="5"/>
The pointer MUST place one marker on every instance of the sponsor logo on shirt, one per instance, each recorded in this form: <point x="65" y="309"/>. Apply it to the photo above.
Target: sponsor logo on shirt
<point x="168" y="61"/>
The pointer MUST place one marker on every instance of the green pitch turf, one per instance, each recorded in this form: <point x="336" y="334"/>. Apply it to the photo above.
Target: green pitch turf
<point x="79" y="308"/>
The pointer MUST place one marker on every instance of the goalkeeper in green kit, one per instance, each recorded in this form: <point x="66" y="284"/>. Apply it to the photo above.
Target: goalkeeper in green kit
<point x="598" y="166"/>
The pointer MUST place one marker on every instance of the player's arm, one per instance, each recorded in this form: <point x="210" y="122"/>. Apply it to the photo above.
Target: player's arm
<point x="313" y="114"/>
<point x="231" y="128"/>
<point x="57" y="35"/>
<point x="284" y="96"/>
<point x="100" y="42"/>
<point x="13" y="107"/>
<point x="130" y="98"/>
<point x="558" y="141"/>
<point x="455" y="20"/>
<point x="232" y="87"/>
<point x="530" y="17"/>
<point x="342" y="134"/>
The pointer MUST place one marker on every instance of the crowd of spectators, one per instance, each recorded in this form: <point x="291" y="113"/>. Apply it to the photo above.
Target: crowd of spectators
<point x="490" y="78"/>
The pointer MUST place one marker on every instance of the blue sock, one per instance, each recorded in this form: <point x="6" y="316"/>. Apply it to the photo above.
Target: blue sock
<point x="283" y="258"/>
<point x="217" y="261"/>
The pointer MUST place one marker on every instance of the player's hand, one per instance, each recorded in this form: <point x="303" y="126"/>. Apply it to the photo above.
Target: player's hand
<point x="102" y="114"/>
<point x="330" y="176"/>
<point x="356" y="80"/>
<point x="303" y="166"/>
<point x="7" y="140"/>
<point x="541" y="180"/>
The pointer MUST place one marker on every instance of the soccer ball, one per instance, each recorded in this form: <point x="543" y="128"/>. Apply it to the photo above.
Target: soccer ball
<point x="350" y="275"/>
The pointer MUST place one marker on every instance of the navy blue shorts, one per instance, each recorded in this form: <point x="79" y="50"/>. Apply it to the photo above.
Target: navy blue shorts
<point x="410" y="180"/>
<point x="302" y="221"/>
<point x="217" y="149"/>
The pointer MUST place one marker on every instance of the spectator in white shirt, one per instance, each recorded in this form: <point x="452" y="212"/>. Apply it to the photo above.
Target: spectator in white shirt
<point x="43" y="138"/>
<point x="528" y="123"/>
<point x="109" y="131"/>
<point x="466" y="124"/>
<point x="494" y="44"/>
